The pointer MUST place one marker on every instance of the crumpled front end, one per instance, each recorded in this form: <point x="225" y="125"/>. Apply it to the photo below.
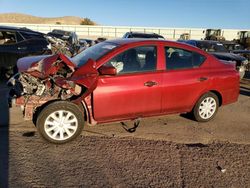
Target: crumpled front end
<point x="48" y="79"/>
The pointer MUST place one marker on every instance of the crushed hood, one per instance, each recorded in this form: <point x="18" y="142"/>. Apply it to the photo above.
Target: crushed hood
<point x="59" y="69"/>
<point x="43" y="66"/>
<point x="26" y="62"/>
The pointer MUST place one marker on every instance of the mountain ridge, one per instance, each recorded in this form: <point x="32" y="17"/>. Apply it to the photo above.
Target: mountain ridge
<point x="26" y="18"/>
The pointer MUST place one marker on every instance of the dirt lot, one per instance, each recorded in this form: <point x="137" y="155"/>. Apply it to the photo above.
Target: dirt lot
<point x="168" y="151"/>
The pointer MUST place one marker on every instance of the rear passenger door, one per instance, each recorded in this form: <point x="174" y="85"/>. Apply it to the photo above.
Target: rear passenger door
<point x="185" y="78"/>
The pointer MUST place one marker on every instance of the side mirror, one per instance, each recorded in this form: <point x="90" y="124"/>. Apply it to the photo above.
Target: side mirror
<point x="107" y="70"/>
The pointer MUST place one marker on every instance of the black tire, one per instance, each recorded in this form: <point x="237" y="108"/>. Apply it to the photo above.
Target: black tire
<point x="48" y="118"/>
<point x="209" y="114"/>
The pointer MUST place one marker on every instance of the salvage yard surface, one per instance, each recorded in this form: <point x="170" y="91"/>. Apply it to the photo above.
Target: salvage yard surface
<point x="167" y="151"/>
<point x="126" y="162"/>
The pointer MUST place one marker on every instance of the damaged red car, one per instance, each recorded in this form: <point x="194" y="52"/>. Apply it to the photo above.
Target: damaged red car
<point x="120" y="80"/>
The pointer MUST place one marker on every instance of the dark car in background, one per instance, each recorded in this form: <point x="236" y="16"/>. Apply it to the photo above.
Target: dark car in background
<point x="142" y="35"/>
<point x="219" y="51"/>
<point x="68" y="36"/>
<point x="237" y="48"/>
<point x="16" y="43"/>
<point x="86" y="42"/>
<point x="232" y="46"/>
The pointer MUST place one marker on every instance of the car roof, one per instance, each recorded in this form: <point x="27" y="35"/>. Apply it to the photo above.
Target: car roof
<point x="125" y="41"/>
<point x="132" y="40"/>
<point x="142" y="33"/>
<point x="145" y="34"/>
<point x="62" y="32"/>
<point x="13" y="28"/>
<point x="122" y="41"/>
<point x="24" y="29"/>
<point x="203" y="41"/>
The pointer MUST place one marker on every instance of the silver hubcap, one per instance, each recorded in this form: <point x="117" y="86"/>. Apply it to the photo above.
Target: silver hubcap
<point x="207" y="108"/>
<point x="61" y="125"/>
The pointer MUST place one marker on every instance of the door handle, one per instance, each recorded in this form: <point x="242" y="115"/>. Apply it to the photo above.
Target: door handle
<point x="150" y="83"/>
<point x="201" y="79"/>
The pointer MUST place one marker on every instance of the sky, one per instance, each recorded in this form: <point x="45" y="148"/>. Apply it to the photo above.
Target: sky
<point x="225" y="14"/>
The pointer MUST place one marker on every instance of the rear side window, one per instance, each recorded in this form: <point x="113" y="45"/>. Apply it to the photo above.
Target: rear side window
<point x="177" y="58"/>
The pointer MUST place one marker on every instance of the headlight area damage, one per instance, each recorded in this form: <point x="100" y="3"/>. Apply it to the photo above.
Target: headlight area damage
<point x="47" y="78"/>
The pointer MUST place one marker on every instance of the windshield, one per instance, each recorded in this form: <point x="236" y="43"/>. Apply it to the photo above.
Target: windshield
<point x="211" y="47"/>
<point x="94" y="52"/>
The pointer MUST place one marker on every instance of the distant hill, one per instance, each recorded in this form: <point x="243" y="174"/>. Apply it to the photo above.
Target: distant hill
<point x="24" y="18"/>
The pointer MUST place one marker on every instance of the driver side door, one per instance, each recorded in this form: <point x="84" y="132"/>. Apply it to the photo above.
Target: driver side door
<point x="131" y="93"/>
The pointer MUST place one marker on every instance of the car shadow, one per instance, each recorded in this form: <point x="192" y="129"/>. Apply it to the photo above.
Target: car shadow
<point x="188" y="116"/>
<point x="29" y="134"/>
<point x="245" y="91"/>
<point x="4" y="135"/>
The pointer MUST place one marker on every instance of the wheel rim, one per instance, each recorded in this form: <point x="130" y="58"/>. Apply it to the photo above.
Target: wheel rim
<point x="61" y="125"/>
<point x="207" y="108"/>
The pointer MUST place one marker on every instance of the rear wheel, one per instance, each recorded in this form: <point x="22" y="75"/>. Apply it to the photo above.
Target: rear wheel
<point x="206" y="107"/>
<point x="60" y="122"/>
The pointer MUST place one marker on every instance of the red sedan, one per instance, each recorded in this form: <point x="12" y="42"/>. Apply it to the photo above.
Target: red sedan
<point x="121" y="80"/>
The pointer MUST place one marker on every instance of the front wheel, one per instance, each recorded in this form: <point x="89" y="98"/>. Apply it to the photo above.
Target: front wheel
<point x="60" y="122"/>
<point x="206" y="107"/>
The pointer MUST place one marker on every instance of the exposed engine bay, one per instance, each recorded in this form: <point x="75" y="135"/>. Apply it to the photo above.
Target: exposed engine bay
<point x="48" y="79"/>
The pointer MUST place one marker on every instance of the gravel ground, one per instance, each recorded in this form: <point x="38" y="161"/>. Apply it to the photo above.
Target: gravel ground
<point x="168" y="151"/>
<point x="93" y="161"/>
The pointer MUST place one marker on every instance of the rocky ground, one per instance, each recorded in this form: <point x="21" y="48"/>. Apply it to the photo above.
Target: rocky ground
<point x="94" y="161"/>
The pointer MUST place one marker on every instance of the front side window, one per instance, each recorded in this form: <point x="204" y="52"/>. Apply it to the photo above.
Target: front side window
<point x="139" y="59"/>
<point x="177" y="58"/>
